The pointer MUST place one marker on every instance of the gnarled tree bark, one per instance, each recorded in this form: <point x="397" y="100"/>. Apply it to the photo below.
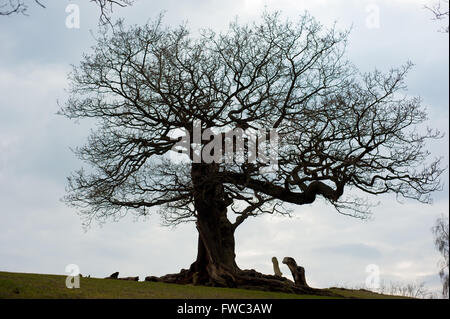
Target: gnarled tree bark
<point x="216" y="255"/>
<point x="298" y="272"/>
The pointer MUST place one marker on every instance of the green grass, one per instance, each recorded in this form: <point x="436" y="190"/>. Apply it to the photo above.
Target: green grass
<point x="21" y="285"/>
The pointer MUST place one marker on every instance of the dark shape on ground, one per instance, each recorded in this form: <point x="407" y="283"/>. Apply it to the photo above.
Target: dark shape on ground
<point x="251" y="279"/>
<point x="116" y="276"/>
<point x="113" y="276"/>
<point x="130" y="278"/>
<point x="152" y="278"/>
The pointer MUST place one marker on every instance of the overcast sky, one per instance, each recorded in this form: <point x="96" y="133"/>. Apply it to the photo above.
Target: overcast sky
<point x="39" y="234"/>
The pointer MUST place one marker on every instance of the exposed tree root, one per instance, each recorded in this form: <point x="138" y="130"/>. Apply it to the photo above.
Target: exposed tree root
<point x="246" y="279"/>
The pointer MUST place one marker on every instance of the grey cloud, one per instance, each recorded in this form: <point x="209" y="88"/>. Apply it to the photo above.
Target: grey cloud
<point x="351" y="250"/>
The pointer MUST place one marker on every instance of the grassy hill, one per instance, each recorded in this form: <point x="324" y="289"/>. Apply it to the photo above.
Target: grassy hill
<point x="21" y="285"/>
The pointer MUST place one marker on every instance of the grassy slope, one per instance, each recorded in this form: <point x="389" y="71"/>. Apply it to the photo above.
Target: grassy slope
<point x="20" y="285"/>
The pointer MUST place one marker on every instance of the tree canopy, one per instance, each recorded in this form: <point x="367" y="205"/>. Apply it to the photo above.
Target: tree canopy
<point x="337" y="127"/>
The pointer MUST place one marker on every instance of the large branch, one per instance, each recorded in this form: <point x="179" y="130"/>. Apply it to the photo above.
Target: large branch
<point x="308" y="196"/>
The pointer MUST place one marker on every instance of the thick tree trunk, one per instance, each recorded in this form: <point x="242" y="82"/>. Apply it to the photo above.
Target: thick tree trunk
<point x="215" y="264"/>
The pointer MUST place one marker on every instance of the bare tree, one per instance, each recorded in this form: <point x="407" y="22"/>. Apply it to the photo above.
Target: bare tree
<point x="412" y="290"/>
<point x="441" y="239"/>
<point x="440" y="11"/>
<point x="9" y="7"/>
<point x="339" y="131"/>
<point x="396" y="288"/>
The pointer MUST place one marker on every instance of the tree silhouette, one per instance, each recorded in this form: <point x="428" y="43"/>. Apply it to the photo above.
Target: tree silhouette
<point x="441" y="239"/>
<point x="339" y="131"/>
